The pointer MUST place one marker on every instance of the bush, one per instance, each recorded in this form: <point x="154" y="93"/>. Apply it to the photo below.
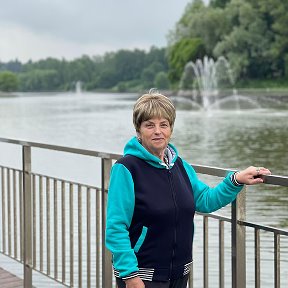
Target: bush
<point x="161" y="81"/>
<point x="182" y="52"/>
<point x="8" y="81"/>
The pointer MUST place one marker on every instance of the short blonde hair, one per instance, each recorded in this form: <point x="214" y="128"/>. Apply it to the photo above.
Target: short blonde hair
<point x="153" y="105"/>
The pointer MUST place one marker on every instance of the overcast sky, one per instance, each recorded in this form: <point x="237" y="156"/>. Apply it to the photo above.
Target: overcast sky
<point x="36" y="29"/>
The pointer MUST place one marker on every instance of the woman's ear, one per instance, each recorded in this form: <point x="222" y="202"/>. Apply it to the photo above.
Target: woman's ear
<point x="138" y="137"/>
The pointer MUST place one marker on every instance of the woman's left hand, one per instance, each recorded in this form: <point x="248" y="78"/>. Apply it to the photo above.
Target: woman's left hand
<point x="252" y="175"/>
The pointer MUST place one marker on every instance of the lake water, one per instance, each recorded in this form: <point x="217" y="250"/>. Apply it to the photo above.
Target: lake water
<point x="103" y="122"/>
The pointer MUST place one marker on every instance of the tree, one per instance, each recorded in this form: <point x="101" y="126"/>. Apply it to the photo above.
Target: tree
<point x="161" y="81"/>
<point x="201" y="22"/>
<point x="8" y="81"/>
<point x="114" y="70"/>
<point x="276" y="17"/>
<point x="247" y="46"/>
<point x="182" y="52"/>
<point x="14" y="66"/>
<point x="251" y="34"/>
<point x="149" y="73"/>
<point x="219" y="3"/>
<point x="39" y="80"/>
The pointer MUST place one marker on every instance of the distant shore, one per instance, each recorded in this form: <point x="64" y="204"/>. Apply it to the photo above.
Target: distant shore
<point x="269" y="92"/>
<point x="256" y="92"/>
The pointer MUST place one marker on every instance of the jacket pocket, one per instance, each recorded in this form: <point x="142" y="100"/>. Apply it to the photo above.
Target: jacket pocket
<point x="140" y="239"/>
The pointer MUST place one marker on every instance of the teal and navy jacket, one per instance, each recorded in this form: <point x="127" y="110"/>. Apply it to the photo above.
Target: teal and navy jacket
<point x="150" y="212"/>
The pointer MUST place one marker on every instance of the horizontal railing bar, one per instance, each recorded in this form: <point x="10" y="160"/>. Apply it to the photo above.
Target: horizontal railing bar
<point x="215" y="216"/>
<point x="54" y="178"/>
<point x="62" y="148"/>
<point x="11" y="168"/>
<point x="264" y="228"/>
<point x="66" y="181"/>
<point x="214" y="171"/>
<point x="247" y="224"/>
<point x="221" y="172"/>
<point x="276" y="180"/>
<point x="202" y="169"/>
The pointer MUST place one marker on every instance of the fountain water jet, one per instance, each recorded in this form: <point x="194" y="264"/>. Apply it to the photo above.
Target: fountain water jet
<point x="208" y="85"/>
<point x="204" y="77"/>
<point x="78" y="87"/>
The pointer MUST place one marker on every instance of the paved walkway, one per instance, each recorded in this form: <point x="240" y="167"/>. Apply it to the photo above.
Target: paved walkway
<point x="8" y="280"/>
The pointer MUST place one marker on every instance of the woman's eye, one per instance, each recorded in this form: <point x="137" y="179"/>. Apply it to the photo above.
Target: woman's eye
<point x="164" y="125"/>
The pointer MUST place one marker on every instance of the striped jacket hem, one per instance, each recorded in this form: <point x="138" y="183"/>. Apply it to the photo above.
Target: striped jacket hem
<point x="147" y="274"/>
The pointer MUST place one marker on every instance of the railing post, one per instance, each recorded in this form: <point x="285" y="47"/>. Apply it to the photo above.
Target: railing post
<point x="106" y="165"/>
<point x="27" y="196"/>
<point x="205" y="252"/>
<point x="276" y="260"/>
<point x="239" y="241"/>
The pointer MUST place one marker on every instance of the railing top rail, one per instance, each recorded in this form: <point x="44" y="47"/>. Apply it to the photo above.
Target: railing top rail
<point x="221" y="172"/>
<point x="202" y="169"/>
<point x="62" y="148"/>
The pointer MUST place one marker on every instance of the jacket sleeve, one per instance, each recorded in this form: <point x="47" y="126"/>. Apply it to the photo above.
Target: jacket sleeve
<point x="120" y="207"/>
<point x="211" y="199"/>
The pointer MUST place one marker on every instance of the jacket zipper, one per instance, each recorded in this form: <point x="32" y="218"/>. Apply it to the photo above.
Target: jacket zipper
<point x="176" y="219"/>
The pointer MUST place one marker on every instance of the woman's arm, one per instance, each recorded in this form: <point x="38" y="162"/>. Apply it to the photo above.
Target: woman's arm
<point x="120" y="207"/>
<point x="211" y="199"/>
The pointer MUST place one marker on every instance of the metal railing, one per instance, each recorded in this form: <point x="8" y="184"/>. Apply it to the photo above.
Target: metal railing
<point x="57" y="227"/>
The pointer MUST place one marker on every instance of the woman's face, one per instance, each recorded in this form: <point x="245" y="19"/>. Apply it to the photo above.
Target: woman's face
<point x="155" y="135"/>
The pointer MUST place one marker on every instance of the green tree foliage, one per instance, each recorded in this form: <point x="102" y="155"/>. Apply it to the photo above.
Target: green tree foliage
<point x="252" y="34"/>
<point x="275" y="13"/>
<point x="201" y="22"/>
<point x="39" y="80"/>
<point x="121" y="71"/>
<point x="182" y="52"/>
<point x="8" y="81"/>
<point x="247" y="44"/>
<point x="161" y="81"/>
<point x="12" y="66"/>
<point x="219" y="3"/>
<point x="149" y="73"/>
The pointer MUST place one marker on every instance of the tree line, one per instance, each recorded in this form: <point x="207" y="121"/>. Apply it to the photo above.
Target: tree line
<point x="251" y="34"/>
<point x="123" y="70"/>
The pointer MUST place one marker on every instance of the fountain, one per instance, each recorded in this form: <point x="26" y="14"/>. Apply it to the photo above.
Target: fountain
<point x="78" y="87"/>
<point x="202" y="81"/>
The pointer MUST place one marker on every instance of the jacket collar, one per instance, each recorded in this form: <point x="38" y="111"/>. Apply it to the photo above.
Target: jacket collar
<point x="133" y="147"/>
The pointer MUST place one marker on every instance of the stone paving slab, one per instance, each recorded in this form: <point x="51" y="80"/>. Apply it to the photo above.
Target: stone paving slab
<point x="8" y="280"/>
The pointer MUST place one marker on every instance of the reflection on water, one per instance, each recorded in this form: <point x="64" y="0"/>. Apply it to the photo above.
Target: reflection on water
<point x="103" y="122"/>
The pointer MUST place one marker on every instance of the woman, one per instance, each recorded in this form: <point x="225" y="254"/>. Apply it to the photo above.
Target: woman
<point x="153" y="195"/>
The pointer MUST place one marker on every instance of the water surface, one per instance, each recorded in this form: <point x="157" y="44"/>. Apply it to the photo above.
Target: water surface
<point x="223" y="138"/>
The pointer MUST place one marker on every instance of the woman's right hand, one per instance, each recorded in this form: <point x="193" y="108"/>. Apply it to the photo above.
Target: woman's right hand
<point x="134" y="282"/>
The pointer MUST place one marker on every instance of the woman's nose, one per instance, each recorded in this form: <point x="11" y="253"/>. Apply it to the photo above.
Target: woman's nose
<point x="157" y="129"/>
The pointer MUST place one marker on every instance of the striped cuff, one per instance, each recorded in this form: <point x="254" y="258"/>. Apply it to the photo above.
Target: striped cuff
<point x="233" y="179"/>
<point x="144" y="274"/>
<point x="131" y="275"/>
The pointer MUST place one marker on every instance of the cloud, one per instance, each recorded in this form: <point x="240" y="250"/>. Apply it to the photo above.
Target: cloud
<point x="25" y="45"/>
<point x="70" y="28"/>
